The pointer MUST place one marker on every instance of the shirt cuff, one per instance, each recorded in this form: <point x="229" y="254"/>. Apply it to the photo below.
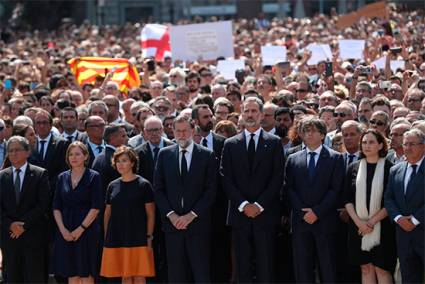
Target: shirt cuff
<point x="193" y="213"/>
<point x="259" y="206"/>
<point x="415" y="221"/>
<point x="169" y="213"/>
<point x="397" y="217"/>
<point x="240" y="208"/>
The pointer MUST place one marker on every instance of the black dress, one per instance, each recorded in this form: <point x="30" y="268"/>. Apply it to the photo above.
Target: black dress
<point x="384" y="255"/>
<point x="125" y="251"/>
<point x="80" y="258"/>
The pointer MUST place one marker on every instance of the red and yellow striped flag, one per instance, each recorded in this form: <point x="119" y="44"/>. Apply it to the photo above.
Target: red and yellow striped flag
<point x="86" y="69"/>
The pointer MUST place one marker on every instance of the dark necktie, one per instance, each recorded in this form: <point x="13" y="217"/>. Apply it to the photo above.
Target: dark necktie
<point x="183" y="166"/>
<point x="311" y="165"/>
<point x="351" y="158"/>
<point x="70" y="139"/>
<point x="251" y="150"/>
<point x="205" y="142"/>
<point x="99" y="149"/>
<point x="411" y="178"/>
<point x="155" y="154"/>
<point x="42" y="142"/>
<point x="17" y="185"/>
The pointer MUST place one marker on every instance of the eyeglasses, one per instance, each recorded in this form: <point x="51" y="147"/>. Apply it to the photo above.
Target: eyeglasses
<point x="413" y="100"/>
<point x="162" y="108"/>
<point x="43" y="122"/>
<point x="1" y="128"/>
<point x="411" y="144"/>
<point x="377" y="122"/>
<point x="340" y="114"/>
<point x="153" y="130"/>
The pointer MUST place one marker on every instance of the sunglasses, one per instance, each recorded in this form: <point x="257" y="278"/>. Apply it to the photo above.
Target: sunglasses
<point x="1" y="128"/>
<point x="377" y="122"/>
<point x="340" y="114"/>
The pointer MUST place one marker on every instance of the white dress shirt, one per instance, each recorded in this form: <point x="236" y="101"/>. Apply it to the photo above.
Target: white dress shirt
<point x="316" y="157"/>
<point x="94" y="147"/>
<point x="21" y="174"/>
<point x="46" y="144"/>
<point x="73" y="135"/>
<point x="209" y="138"/>
<point x="188" y="156"/>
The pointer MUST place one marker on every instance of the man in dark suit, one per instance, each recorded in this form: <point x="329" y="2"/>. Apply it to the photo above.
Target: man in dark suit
<point x="220" y="255"/>
<point x="405" y="203"/>
<point x="313" y="182"/>
<point x="24" y="191"/>
<point x="252" y="172"/>
<point x="396" y="153"/>
<point x="148" y="155"/>
<point x="95" y="127"/>
<point x="184" y="191"/>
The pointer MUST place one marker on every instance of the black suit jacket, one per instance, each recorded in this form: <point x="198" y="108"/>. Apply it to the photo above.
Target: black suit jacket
<point x="294" y="149"/>
<point x="411" y="203"/>
<point x="32" y="208"/>
<point x="262" y="185"/>
<point x="195" y="194"/>
<point x="146" y="163"/>
<point x="320" y="194"/>
<point x="103" y="165"/>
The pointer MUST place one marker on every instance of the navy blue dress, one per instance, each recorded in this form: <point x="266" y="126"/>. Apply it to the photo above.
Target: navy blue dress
<point x="80" y="258"/>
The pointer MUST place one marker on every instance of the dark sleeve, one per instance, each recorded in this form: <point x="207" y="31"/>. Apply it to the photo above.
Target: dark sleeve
<point x="389" y="196"/>
<point x="388" y="165"/>
<point x="96" y="192"/>
<point x="148" y="192"/>
<point x="57" y="199"/>
<point x="349" y="191"/>
<point x="108" y="194"/>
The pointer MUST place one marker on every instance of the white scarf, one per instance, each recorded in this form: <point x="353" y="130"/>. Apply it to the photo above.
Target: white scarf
<point x="373" y="239"/>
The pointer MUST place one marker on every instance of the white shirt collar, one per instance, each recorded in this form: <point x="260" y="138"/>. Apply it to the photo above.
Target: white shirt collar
<point x="161" y="142"/>
<point x="23" y="168"/>
<point x="418" y="163"/>
<point x="189" y="149"/>
<point x="317" y="151"/>
<point x="103" y="144"/>
<point x="47" y="139"/>
<point x="248" y="134"/>
<point x="73" y="134"/>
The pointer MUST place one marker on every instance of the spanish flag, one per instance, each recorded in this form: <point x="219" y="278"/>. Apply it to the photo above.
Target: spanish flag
<point x="86" y="69"/>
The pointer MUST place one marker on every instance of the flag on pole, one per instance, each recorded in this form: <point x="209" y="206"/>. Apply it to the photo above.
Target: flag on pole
<point x="86" y="69"/>
<point x="155" y="41"/>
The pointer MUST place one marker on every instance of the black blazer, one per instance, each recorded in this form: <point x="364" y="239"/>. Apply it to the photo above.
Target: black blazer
<point x="263" y="185"/>
<point x="103" y="165"/>
<point x="321" y="194"/>
<point x="196" y="194"/>
<point x="146" y="163"/>
<point x="32" y="208"/>
<point x="413" y="203"/>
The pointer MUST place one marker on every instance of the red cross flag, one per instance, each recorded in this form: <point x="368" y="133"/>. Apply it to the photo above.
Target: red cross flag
<point x="155" y="41"/>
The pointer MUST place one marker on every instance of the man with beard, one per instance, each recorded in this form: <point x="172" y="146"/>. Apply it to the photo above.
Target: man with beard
<point x="193" y="81"/>
<point x="184" y="191"/>
<point x="203" y="117"/>
<point x="284" y="118"/>
<point x="252" y="172"/>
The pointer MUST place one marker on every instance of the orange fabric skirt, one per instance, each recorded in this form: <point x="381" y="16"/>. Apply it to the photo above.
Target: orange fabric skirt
<point x="127" y="262"/>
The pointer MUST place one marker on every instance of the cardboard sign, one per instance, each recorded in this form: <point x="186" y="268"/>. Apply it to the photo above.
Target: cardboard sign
<point x="271" y="54"/>
<point x="319" y="52"/>
<point x="368" y="11"/>
<point x="394" y="64"/>
<point x="202" y="41"/>
<point x="351" y="48"/>
<point x="227" y="68"/>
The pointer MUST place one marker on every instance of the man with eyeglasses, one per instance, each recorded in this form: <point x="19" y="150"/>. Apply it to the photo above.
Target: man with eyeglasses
<point x="25" y="199"/>
<point x="113" y="105"/>
<point x="95" y="127"/>
<point x="405" y="203"/>
<point x="413" y="99"/>
<point x="396" y="153"/>
<point x="148" y="154"/>
<point x="343" y="112"/>
<point x="162" y="107"/>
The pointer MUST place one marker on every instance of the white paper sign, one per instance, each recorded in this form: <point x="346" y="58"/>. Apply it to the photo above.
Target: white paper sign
<point x="271" y="54"/>
<point x="228" y="67"/>
<point x="319" y="52"/>
<point x="202" y="41"/>
<point x="351" y="48"/>
<point x="394" y="64"/>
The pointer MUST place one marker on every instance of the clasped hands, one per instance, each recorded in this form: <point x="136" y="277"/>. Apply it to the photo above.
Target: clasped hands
<point x="251" y="210"/>
<point x="72" y="236"/>
<point x="181" y="222"/>
<point x="16" y="229"/>
<point x="310" y="217"/>
<point x="366" y="227"/>
<point x="405" y="222"/>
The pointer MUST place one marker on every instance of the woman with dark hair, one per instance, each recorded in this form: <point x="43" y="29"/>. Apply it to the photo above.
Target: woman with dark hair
<point x="78" y="199"/>
<point x="129" y="222"/>
<point x="371" y="235"/>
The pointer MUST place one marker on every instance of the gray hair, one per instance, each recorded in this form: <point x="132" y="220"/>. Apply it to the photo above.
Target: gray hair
<point x="400" y="120"/>
<point x="97" y="103"/>
<point x="153" y="118"/>
<point x="21" y="140"/>
<point x="350" y="123"/>
<point x="255" y="100"/>
<point x="417" y="132"/>
<point x="23" y="119"/>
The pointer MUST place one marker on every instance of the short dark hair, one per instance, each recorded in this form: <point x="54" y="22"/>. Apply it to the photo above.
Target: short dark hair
<point x="284" y="110"/>
<point x="183" y="118"/>
<point x="193" y="75"/>
<point x="69" y="109"/>
<point x="131" y="154"/>
<point x="315" y="122"/>
<point x="381" y="140"/>
<point x="196" y="108"/>
<point x="110" y="130"/>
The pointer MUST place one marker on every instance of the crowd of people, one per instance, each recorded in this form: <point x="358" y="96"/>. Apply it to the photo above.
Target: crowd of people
<point x="288" y="173"/>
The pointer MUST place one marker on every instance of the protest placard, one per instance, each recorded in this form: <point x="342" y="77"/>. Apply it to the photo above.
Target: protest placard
<point x="272" y="54"/>
<point x="319" y="52"/>
<point x="227" y="68"/>
<point x="351" y="48"/>
<point x="202" y="41"/>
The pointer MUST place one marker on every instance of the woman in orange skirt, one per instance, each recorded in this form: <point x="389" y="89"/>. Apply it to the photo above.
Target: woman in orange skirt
<point x="129" y="222"/>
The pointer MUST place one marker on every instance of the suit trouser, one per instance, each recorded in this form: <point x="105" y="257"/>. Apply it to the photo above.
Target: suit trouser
<point x="188" y="257"/>
<point x="254" y="243"/>
<point x="307" y="246"/>
<point x="411" y="256"/>
<point x="25" y="264"/>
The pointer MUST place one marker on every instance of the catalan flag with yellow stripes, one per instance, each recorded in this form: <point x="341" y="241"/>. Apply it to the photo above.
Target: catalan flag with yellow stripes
<point x="86" y="69"/>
